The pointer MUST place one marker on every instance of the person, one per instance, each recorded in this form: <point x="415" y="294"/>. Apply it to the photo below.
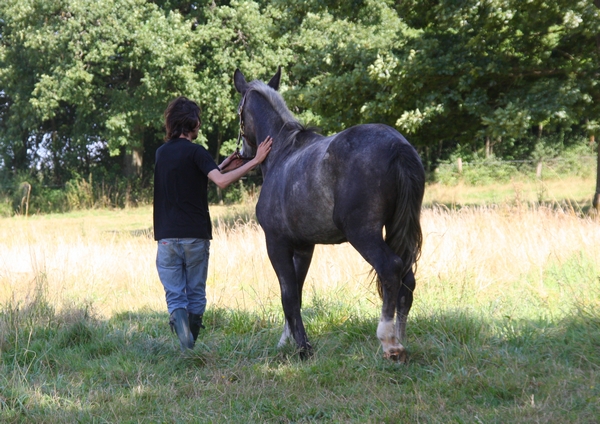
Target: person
<point x="182" y="225"/>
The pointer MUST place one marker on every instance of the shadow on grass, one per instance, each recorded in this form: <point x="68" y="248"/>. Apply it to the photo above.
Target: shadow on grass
<point x="332" y="329"/>
<point x="455" y="358"/>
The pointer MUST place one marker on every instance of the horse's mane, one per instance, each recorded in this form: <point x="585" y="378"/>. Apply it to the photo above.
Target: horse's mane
<point x="290" y="123"/>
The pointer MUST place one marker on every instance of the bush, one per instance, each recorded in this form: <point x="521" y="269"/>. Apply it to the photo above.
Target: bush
<point x="483" y="172"/>
<point x="6" y="208"/>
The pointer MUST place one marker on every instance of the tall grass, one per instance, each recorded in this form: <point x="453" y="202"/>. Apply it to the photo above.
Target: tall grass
<point x="504" y="328"/>
<point x="475" y="255"/>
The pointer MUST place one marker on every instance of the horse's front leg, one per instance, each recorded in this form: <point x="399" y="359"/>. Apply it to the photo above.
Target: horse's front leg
<point x="281" y="255"/>
<point x="302" y="258"/>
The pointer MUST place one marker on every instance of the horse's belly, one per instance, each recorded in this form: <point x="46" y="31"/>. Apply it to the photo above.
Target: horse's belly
<point x="311" y="232"/>
<point x="301" y="221"/>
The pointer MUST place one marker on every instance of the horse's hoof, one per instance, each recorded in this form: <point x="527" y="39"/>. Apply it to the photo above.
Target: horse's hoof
<point x="306" y="352"/>
<point x="396" y="355"/>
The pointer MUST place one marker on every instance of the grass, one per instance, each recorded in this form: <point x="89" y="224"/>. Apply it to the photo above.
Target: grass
<point x="505" y="325"/>
<point x="573" y="190"/>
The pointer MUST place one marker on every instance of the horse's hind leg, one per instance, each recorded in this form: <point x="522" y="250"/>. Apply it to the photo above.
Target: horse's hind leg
<point x="405" y="299"/>
<point x="388" y="266"/>
<point x="302" y="258"/>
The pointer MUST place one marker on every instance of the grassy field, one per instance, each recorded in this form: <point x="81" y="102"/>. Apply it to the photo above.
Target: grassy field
<point x="577" y="192"/>
<point x="505" y="325"/>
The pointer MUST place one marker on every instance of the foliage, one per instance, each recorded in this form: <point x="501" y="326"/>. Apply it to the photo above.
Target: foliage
<point x="84" y="83"/>
<point x="478" y="173"/>
<point x="103" y="71"/>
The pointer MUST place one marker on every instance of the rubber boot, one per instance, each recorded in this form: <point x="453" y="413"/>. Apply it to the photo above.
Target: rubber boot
<point x="195" y="325"/>
<point x="180" y="325"/>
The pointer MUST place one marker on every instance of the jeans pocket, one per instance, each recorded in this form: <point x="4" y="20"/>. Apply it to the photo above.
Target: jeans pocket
<point x="166" y="254"/>
<point x="196" y="251"/>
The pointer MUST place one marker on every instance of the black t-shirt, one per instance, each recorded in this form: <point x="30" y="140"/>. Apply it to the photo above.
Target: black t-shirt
<point x="180" y="190"/>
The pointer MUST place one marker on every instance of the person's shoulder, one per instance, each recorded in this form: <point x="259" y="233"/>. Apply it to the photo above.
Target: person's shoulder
<point x="168" y="144"/>
<point x="198" y="148"/>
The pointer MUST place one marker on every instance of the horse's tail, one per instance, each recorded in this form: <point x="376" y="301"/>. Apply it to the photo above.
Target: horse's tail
<point x="403" y="233"/>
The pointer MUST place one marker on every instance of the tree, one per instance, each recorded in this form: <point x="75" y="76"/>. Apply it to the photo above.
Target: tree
<point x="81" y="70"/>
<point x="334" y="45"/>
<point x="77" y="72"/>
<point x="501" y="67"/>
<point x="238" y="35"/>
<point x="457" y="73"/>
<point x="478" y="76"/>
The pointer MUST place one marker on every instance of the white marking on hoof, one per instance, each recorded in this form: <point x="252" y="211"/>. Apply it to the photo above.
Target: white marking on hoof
<point x="396" y="354"/>
<point x="285" y="336"/>
<point x="387" y="335"/>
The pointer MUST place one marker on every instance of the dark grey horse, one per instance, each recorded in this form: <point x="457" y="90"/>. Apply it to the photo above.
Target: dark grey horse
<point x="329" y="190"/>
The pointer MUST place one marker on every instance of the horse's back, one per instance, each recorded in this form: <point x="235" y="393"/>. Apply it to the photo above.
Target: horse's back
<point x="313" y="189"/>
<point x="370" y="142"/>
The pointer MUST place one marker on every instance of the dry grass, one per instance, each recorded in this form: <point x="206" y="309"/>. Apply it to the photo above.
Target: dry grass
<point x="490" y="254"/>
<point x="473" y="256"/>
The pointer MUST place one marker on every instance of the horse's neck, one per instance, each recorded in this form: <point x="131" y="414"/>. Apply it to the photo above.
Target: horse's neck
<point x="275" y="127"/>
<point x="273" y="124"/>
<point x="278" y="149"/>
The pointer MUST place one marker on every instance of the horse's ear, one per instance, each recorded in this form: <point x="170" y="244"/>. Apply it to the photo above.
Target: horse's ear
<point x="239" y="81"/>
<point x="274" y="83"/>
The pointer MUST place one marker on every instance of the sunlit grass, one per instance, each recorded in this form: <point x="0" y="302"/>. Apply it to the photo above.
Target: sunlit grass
<point x="504" y="326"/>
<point x="473" y="256"/>
<point x="576" y="190"/>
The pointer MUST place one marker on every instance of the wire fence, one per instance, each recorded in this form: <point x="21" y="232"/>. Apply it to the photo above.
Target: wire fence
<point x="540" y="168"/>
<point x="497" y="170"/>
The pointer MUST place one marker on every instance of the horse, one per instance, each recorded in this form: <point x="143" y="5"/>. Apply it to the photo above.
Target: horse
<point x="347" y="187"/>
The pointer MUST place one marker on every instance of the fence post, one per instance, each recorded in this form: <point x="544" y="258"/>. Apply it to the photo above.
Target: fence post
<point x="25" y="200"/>
<point x="459" y="165"/>
<point x="538" y="170"/>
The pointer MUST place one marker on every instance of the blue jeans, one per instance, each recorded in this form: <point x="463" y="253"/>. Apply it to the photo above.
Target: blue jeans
<point x="182" y="266"/>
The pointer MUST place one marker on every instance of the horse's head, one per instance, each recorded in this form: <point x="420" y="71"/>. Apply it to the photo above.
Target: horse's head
<point x="247" y="122"/>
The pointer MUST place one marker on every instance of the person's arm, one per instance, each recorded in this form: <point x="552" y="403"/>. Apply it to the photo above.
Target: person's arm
<point x="224" y="180"/>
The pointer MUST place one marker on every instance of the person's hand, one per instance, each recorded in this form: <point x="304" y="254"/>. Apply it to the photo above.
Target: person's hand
<point x="231" y="163"/>
<point x="228" y="160"/>
<point x="263" y="149"/>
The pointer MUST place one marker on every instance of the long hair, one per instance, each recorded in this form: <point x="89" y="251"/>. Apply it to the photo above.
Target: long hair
<point x="182" y="117"/>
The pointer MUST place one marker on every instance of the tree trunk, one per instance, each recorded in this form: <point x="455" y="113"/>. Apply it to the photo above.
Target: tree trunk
<point x="488" y="147"/>
<point x="134" y="162"/>
<point x="19" y="160"/>
<point x="596" y="201"/>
